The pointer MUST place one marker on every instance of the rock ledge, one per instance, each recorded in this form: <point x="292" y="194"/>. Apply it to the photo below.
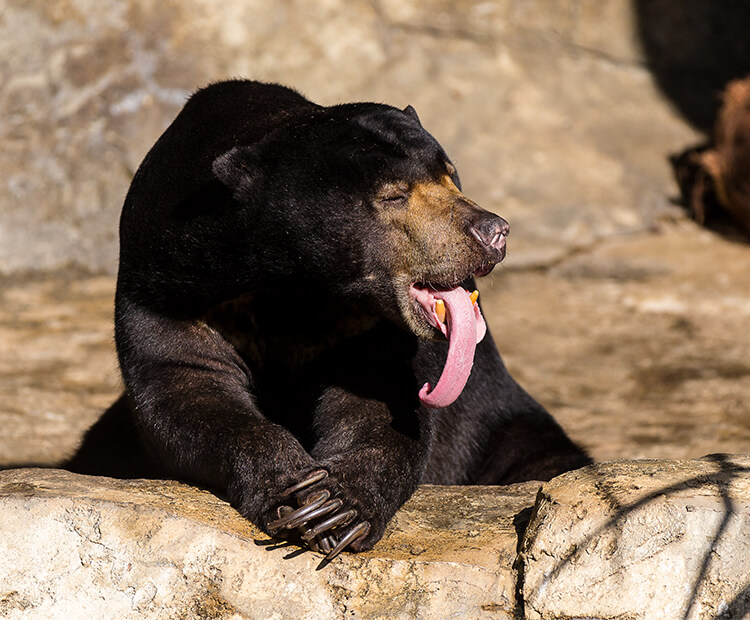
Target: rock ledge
<point x="628" y="539"/>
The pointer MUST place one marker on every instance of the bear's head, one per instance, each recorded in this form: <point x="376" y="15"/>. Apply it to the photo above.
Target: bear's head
<point x="367" y="205"/>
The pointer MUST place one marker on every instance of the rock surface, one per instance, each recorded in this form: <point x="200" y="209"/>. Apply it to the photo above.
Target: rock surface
<point x="550" y="114"/>
<point x="80" y="546"/>
<point x="648" y="539"/>
<point x="58" y="369"/>
<point x="627" y="539"/>
<point x="638" y="345"/>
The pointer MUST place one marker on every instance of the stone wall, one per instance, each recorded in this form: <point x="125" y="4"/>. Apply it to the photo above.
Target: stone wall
<point x="548" y="109"/>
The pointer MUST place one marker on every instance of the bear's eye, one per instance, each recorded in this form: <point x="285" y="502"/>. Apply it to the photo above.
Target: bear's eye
<point x="394" y="194"/>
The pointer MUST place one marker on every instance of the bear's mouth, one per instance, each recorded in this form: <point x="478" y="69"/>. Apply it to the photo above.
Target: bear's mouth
<point x="454" y="312"/>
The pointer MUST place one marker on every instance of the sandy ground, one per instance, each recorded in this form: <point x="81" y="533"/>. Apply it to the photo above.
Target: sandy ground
<point x="639" y="346"/>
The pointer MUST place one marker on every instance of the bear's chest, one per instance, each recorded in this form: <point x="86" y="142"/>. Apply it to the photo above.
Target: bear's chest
<point x="289" y="336"/>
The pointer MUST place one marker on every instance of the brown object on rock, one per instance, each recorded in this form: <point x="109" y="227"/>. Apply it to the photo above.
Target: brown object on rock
<point x="718" y="176"/>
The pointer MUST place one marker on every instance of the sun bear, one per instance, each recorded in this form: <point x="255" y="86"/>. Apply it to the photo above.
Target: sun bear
<point x="296" y="321"/>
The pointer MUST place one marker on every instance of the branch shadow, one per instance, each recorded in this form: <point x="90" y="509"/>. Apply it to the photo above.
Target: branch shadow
<point x="738" y="607"/>
<point x="722" y="480"/>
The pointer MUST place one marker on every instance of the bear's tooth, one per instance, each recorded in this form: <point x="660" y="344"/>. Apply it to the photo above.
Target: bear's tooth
<point x="440" y="310"/>
<point x="474" y="296"/>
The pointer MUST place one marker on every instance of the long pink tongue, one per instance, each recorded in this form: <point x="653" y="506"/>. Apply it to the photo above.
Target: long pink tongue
<point x="466" y="328"/>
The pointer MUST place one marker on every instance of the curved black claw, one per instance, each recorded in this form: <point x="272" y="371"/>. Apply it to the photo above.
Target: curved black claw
<point x="313" y="545"/>
<point x="302" y="519"/>
<point x="283" y="512"/>
<point x="322" y="544"/>
<point x="292" y="519"/>
<point x="326" y="543"/>
<point x="324" y="537"/>
<point x="358" y="531"/>
<point x="330" y="506"/>
<point x="316" y="476"/>
<point x="341" y="519"/>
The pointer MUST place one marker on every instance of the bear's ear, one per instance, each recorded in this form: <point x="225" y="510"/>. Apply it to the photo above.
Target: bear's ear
<point x="237" y="169"/>
<point x="410" y="111"/>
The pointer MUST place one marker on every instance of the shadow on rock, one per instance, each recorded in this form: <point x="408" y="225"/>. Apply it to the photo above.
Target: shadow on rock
<point x="647" y="540"/>
<point x="694" y="48"/>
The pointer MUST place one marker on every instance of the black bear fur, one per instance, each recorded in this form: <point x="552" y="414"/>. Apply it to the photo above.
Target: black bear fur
<point x="261" y="326"/>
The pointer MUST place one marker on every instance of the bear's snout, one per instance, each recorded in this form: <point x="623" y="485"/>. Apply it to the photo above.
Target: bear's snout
<point x="490" y="231"/>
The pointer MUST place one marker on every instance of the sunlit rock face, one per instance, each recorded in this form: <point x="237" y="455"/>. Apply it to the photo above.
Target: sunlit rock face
<point x="635" y="539"/>
<point x="550" y="108"/>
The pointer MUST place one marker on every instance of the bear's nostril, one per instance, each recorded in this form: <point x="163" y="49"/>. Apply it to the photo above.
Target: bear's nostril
<point x="490" y="231"/>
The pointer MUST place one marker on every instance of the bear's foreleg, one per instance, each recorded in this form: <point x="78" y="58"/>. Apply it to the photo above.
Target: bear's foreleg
<point x="373" y="455"/>
<point x="195" y="410"/>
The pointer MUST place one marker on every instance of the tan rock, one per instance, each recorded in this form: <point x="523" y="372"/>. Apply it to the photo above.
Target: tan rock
<point x="642" y="539"/>
<point x="78" y="546"/>
<point x="523" y="95"/>
<point x="628" y="539"/>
